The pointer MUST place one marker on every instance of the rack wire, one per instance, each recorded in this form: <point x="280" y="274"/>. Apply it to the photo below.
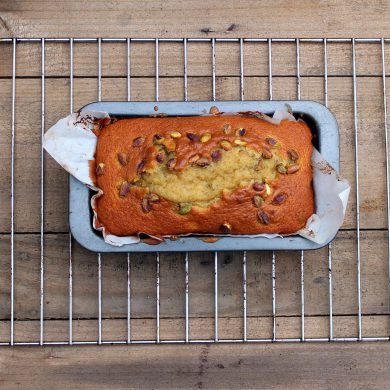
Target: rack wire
<point x="158" y="339"/>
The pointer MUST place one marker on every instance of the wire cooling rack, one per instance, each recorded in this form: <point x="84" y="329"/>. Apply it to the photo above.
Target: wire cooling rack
<point x="354" y="332"/>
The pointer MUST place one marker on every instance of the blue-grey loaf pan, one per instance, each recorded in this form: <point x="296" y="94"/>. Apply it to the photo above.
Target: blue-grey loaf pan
<point x="325" y="138"/>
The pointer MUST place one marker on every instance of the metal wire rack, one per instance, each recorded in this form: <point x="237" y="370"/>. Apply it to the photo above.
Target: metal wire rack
<point x="7" y="298"/>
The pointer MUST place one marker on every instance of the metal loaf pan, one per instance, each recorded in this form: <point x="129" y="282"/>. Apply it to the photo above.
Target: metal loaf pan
<point x="325" y="139"/>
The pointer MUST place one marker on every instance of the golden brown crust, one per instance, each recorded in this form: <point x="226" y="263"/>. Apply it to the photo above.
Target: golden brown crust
<point x="130" y="147"/>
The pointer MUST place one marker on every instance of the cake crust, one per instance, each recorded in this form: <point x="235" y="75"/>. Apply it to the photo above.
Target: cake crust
<point x="181" y="175"/>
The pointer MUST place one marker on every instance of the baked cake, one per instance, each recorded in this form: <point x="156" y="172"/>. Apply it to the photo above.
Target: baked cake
<point x="203" y="174"/>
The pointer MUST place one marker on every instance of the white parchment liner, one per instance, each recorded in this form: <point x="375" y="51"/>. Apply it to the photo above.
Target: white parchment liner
<point x="72" y="143"/>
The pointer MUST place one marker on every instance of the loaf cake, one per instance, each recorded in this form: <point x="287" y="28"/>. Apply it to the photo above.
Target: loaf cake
<point x="203" y="174"/>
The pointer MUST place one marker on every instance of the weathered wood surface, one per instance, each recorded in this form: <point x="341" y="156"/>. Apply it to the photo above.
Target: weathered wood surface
<point x="193" y="18"/>
<point x="375" y="303"/>
<point x="276" y="366"/>
<point x="171" y="59"/>
<point x="200" y="328"/>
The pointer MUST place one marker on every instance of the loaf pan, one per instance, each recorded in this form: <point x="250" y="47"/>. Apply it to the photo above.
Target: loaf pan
<point x="325" y="138"/>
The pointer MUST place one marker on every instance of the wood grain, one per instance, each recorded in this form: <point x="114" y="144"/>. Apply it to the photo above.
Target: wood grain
<point x="280" y="366"/>
<point x="171" y="59"/>
<point x="193" y="18"/>
<point x="202" y="328"/>
<point x="276" y="366"/>
<point x="201" y="286"/>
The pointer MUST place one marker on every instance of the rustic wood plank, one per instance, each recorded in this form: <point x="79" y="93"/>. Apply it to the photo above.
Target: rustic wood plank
<point x="86" y="330"/>
<point x="165" y="19"/>
<point x="171" y="59"/>
<point x="280" y="366"/>
<point x="201" y="304"/>
<point x="296" y="366"/>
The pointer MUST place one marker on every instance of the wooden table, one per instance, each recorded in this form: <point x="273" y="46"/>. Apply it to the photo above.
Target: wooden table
<point x="276" y="366"/>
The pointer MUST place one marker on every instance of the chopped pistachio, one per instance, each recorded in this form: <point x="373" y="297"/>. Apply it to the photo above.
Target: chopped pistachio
<point x="226" y="228"/>
<point x="122" y="158"/>
<point x="241" y="132"/>
<point x="227" y="128"/>
<point x="138" y="141"/>
<point x="146" y="207"/>
<point x="292" y="155"/>
<point x="205" y="137"/>
<point x="263" y="217"/>
<point x="267" y="190"/>
<point x="216" y="155"/>
<point x="141" y="166"/>
<point x="153" y="198"/>
<point x="171" y="163"/>
<point x="266" y="154"/>
<point x="259" y="165"/>
<point x="281" y="168"/>
<point x="158" y="139"/>
<point x="194" y="158"/>
<point x="100" y="169"/>
<point x="124" y="190"/>
<point x="293" y="168"/>
<point x="193" y="137"/>
<point x="240" y="142"/>
<point x="271" y="141"/>
<point x="160" y="157"/>
<point x="214" y="110"/>
<point x="258" y="201"/>
<point x="184" y="208"/>
<point x="175" y="134"/>
<point x="203" y="162"/>
<point x="258" y="186"/>
<point x="279" y="199"/>
<point x="225" y="145"/>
